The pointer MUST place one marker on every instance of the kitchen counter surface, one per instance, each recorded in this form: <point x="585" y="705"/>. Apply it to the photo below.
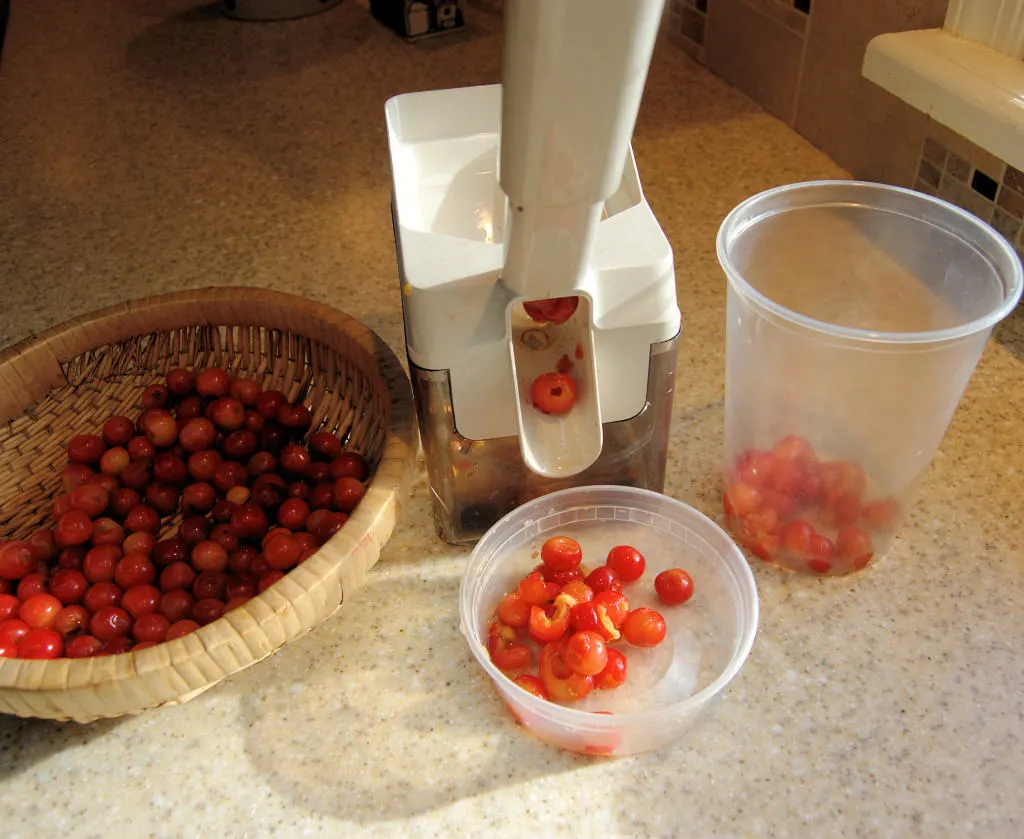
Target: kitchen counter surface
<point x="156" y="146"/>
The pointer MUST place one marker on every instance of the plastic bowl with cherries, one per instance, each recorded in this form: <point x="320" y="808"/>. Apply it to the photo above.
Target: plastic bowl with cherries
<point x="608" y="618"/>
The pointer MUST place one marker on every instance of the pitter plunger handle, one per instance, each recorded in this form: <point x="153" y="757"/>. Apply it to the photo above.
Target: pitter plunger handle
<point x="574" y="73"/>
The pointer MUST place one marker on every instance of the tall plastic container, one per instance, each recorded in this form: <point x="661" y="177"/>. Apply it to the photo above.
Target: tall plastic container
<point x="856" y="315"/>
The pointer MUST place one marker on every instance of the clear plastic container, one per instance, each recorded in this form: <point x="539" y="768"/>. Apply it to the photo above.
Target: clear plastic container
<point x="856" y="315"/>
<point x="670" y="687"/>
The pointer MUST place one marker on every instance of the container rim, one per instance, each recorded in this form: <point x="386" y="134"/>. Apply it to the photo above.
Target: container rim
<point x="992" y="246"/>
<point x="735" y="564"/>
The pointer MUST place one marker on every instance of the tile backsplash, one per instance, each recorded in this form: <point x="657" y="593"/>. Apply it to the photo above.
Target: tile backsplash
<point x="958" y="171"/>
<point x="801" y="60"/>
<point x="685" y="22"/>
<point x="687" y="19"/>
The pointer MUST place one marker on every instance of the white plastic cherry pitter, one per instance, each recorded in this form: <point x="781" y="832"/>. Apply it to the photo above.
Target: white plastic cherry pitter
<point x="527" y="191"/>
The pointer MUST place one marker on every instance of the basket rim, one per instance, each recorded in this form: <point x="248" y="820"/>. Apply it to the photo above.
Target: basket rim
<point x="371" y="523"/>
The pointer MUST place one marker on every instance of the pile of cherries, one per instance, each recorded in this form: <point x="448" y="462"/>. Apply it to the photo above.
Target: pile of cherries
<point x="220" y="458"/>
<point x="572" y="616"/>
<point x="788" y="506"/>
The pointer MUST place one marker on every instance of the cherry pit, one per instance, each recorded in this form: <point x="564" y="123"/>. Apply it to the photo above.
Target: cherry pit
<point x="174" y="517"/>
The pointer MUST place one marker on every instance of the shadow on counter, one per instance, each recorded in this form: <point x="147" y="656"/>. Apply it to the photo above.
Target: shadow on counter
<point x="368" y="736"/>
<point x="24" y="743"/>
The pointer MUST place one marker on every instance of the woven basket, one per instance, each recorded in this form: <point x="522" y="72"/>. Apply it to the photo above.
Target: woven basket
<point x="71" y="378"/>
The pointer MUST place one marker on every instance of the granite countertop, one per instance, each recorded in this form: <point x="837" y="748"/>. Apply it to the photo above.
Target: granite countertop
<point x="156" y="146"/>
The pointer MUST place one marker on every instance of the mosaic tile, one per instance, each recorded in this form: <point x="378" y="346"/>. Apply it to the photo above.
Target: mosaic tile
<point x="694" y="50"/>
<point x="934" y="151"/>
<point x="958" y="167"/>
<point x="942" y="136"/>
<point x="984" y="185"/>
<point x="949" y="139"/>
<point x="1006" y="224"/>
<point x="977" y="204"/>
<point x="1011" y="201"/>
<point x="950" y="189"/>
<point x="692" y="25"/>
<point x="1014" y="179"/>
<point x="781" y="12"/>
<point x="929" y="173"/>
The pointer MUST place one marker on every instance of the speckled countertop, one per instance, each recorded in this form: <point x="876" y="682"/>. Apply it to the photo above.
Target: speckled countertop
<point x="156" y="146"/>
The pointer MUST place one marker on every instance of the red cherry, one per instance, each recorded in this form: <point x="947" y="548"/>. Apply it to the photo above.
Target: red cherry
<point x="155" y="396"/>
<point x="347" y="493"/>
<point x="134" y="570"/>
<point x="171" y="550"/>
<point x="16" y="560"/>
<point x="110" y="622"/>
<point x="139" y="543"/>
<point x="118" y="430"/>
<point x="106" y="532"/>
<point x="122" y="500"/>
<point x="293" y="514"/>
<point x="151" y="627"/>
<point x="84" y="646"/>
<point x="197" y="434"/>
<point x="248" y="521"/>
<point x="210" y="585"/>
<point x="136" y="476"/>
<point x="269" y="403"/>
<point x="203" y="465"/>
<point x="176" y="604"/>
<point x="141" y="448"/>
<point x="198" y="497"/>
<point x="295" y="417"/>
<point x="68" y="586"/>
<point x="240" y="444"/>
<point x="141" y="600"/>
<point x="227" y="413"/>
<point x="325" y="445"/>
<point x="76" y="474"/>
<point x="86" y="448"/>
<point x="169" y="468"/>
<point x="349" y="465"/>
<point x="180" y="629"/>
<point x="213" y="383"/>
<point x="207" y="610"/>
<point x="190" y="408"/>
<point x="209" y="556"/>
<point x="160" y="428"/>
<point x="44" y="544"/>
<point x="245" y="391"/>
<point x="102" y="594"/>
<point x="177" y="575"/>
<point x="41" y="643"/>
<point x="142" y="517"/>
<point x="180" y="381"/>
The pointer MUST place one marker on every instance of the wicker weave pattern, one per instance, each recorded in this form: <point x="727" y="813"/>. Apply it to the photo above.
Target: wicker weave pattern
<point x="72" y="378"/>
